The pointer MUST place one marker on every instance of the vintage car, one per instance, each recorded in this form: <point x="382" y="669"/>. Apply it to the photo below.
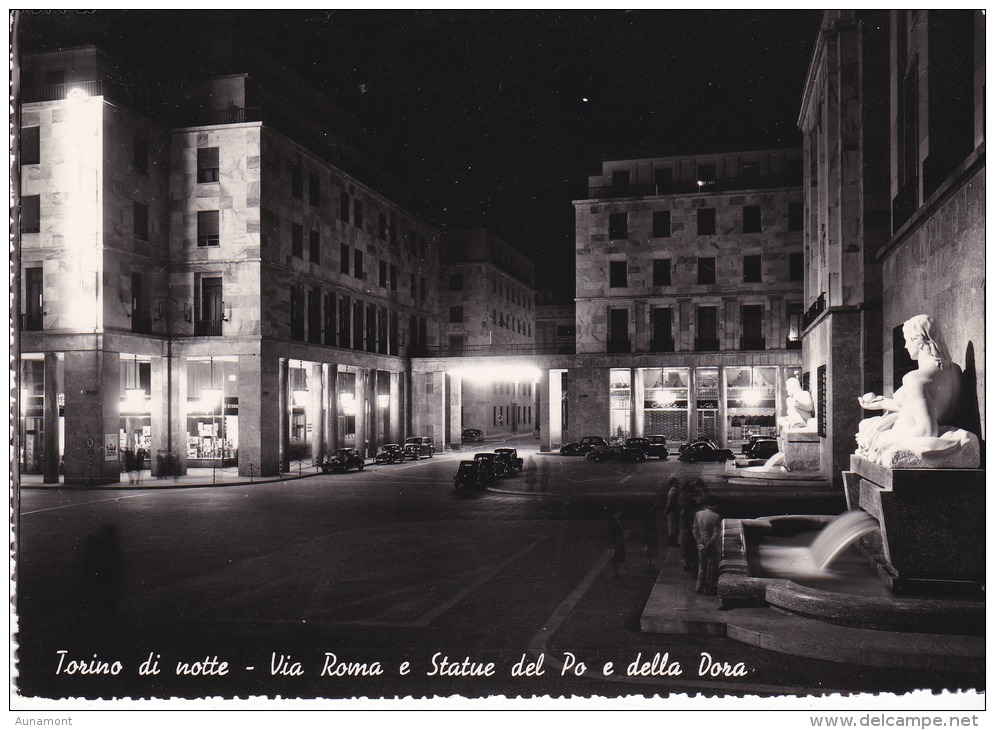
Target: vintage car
<point x="615" y="453"/>
<point x="491" y="467"/>
<point x="762" y="448"/>
<point x="700" y="440"/>
<point x="579" y="448"/>
<point x="513" y="462"/>
<point x="389" y="454"/>
<point x="650" y="445"/>
<point x="342" y="460"/>
<point x="468" y="476"/>
<point x="704" y="451"/>
<point x="415" y="447"/>
<point x="753" y="438"/>
<point x="472" y="436"/>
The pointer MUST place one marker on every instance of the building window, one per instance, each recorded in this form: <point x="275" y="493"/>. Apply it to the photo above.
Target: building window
<point x="751" y="219"/>
<point x="314" y="189"/>
<point x="796" y="267"/>
<point x="314" y="316"/>
<point x="796" y="216"/>
<point x="706" y="335"/>
<point x="210" y="307"/>
<point x="455" y="282"/>
<point x="344" y="258"/>
<point x="706" y="221"/>
<point x="456" y="314"/>
<point x="618" y="226"/>
<point x="382" y="227"/>
<point x="371" y="328"/>
<point x="620" y="183"/>
<point x="357" y="264"/>
<point x="661" y="224"/>
<point x="661" y="272"/>
<point x="31" y="146"/>
<point x="34" y="300"/>
<point x="30" y="214"/>
<point x="618" y="330"/>
<point x="141" y="221"/>
<point x="297" y="240"/>
<point x="706" y="270"/>
<point x="357" y="325"/>
<point x="393" y="277"/>
<point x="297" y="182"/>
<point x="618" y="274"/>
<point x="663" y="179"/>
<point x="344" y="206"/>
<point x="297" y="313"/>
<point x="208" y="228"/>
<point x="753" y="327"/>
<point x="422" y="289"/>
<point x="140" y="156"/>
<point x="820" y="403"/>
<point x="345" y="322"/>
<point x="414" y="287"/>
<point x="314" y="247"/>
<point x="393" y="232"/>
<point x="357" y="213"/>
<point x="752" y="269"/>
<point x="794" y="340"/>
<point x="751" y="171"/>
<point x="663" y="335"/>
<point x="383" y="274"/>
<point x="706" y="175"/>
<point x="208" y="165"/>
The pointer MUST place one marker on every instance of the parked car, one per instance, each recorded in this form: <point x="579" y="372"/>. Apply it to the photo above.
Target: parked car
<point x="513" y="463"/>
<point x="615" y="453"/>
<point x="650" y="445"/>
<point x="747" y="445"/>
<point x="342" y="460"/>
<point x="705" y="451"/>
<point x="702" y="440"/>
<point x="416" y="447"/>
<point x="490" y="467"/>
<point x="468" y="476"/>
<point x="579" y="448"/>
<point x="473" y="436"/>
<point x="389" y="454"/>
<point x="762" y="448"/>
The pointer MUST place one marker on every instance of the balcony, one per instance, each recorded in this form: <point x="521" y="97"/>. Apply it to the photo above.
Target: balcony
<point x="227" y="116"/>
<point x="793" y="344"/>
<point x="661" y="345"/>
<point x="691" y="187"/>
<point x="752" y="343"/>
<point x="813" y="312"/>
<point x="208" y="328"/>
<point x="141" y="323"/>
<point x="57" y="92"/>
<point x="32" y="322"/>
<point x="488" y="350"/>
<point x="706" y="344"/>
<point x="617" y="346"/>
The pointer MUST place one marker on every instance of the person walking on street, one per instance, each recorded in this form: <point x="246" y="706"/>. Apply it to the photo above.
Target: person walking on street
<point x="129" y="464"/>
<point x="616" y="542"/>
<point x="139" y="464"/>
<point x="707" y="530"/>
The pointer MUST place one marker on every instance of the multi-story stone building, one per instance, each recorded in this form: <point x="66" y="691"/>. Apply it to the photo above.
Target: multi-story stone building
<point x="893" y="120"/>
<point x="556" y="321"/>
<point x="213" y="284"/>
<point x="688" y="295"/>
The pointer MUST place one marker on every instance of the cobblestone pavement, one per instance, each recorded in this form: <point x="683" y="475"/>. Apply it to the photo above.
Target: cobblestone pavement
<point x="357" y="573"/>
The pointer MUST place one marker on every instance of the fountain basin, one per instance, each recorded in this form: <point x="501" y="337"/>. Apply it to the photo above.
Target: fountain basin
<point x="765" y="562"/>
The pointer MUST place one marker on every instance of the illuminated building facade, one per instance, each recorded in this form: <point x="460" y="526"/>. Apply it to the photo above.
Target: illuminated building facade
<point x="893" y="122"/>
<point x="211" y="283"/>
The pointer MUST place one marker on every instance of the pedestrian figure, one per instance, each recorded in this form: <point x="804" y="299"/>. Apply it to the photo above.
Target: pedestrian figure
<point x="707" y="529"/>
<point x="129" y="464"/>
<point x="673" y="510"/>
<point x="687" y="506"/>
<point x="160" y="464"/>
<point x="139" y="463"/>
<point x="652" y="539"/>
<point x="173" y="465"/>
<point x="616" y="542"/>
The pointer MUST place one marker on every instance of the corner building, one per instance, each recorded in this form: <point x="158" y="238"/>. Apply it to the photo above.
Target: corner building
<point x="688" y="298"/>
<point x="208" y="282"/>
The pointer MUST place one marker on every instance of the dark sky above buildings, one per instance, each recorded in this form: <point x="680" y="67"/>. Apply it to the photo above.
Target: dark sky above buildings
<point x="496" y="118"/>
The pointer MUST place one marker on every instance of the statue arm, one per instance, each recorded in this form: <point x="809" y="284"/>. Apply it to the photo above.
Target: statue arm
<point x="872" y="402"/>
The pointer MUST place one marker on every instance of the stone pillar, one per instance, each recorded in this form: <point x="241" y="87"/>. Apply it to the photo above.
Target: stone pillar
<point x="394" y="428"/>
<point x="285" y="414"/>
<point x="361" y="412"/>
<point x="455" y="393"/>
<point x="169" y="398"/>
<point x="260" y="429"/>
<point x="50" y="448"/>
<point x="329" y="408"/>
<point x="635" y="414"/>
<point x="692" y="404"/>
<point x="316" y="394"/>
<point x="93" y="393"/>
<point x="723" y="430"/>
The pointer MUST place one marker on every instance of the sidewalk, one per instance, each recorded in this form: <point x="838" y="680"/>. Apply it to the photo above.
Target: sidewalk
<point x="195" y="477"/>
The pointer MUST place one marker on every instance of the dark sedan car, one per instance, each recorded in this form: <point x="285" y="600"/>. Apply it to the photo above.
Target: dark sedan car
<point x="763" y="448"/>
<point x="468" y="476"/>
<point x="705" y="451"/>
<point x="512" y="461"/>
<point x="415" y="447"/>
<point x="389" y="454"/>
<point x="615" y="453"/>
<point x="747" y="445"/>
<point x="579" y="448"/>
<point x="490" y="467"/>
<point x="472" y="436"/>
<point x="651" y="445"/>
<point x="342" y="460"/>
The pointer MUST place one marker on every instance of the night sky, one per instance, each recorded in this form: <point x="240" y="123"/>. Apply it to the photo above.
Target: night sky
<point x="482" y="114"/>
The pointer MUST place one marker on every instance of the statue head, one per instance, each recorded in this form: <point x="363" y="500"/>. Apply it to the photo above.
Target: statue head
<point x="922" y="336"/>
<point x="792" y="386"/>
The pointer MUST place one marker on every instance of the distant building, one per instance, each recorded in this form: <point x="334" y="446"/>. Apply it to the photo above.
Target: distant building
<point x="206" y="281"/>
<point x="688" y="297"/>
<point x="893" y="120"/>
<point x="556" y="321"/>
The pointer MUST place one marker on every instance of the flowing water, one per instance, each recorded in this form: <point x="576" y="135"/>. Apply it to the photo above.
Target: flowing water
<point x="840" y="533"/>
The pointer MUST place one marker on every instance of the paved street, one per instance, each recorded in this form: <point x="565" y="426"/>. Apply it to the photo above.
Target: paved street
<point x="376" y="568"/>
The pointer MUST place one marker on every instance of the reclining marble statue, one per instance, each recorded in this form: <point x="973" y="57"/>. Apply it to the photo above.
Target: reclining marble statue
<point x="915" y="430"/>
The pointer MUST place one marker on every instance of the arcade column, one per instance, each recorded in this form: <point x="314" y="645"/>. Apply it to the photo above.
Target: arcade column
<point x="316" y="388"/>
<point x="261" y="422"/>
<point x="394" y="432"/>
<point x="92" y="412"/>
<point x="169" y="394"/>
<point x="454" y="404"/>
<point x="50" y="447"/>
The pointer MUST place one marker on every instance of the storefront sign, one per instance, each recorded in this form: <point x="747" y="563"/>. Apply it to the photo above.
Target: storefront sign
<point x="708" y="405"/>
<point x="231" y="406"/>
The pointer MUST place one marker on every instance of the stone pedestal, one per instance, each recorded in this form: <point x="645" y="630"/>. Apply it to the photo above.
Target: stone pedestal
<point x="932" y="537"/>
<point x="802" y="450"/>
